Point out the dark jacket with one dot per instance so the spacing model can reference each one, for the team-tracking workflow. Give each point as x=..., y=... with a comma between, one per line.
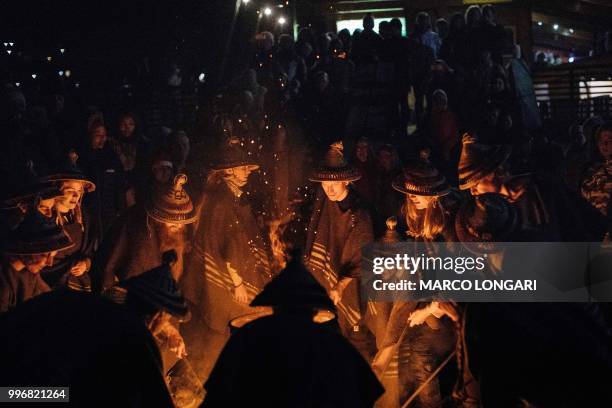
x=130, y=247
x=227, y=233
x=84, y=243
x=550, y=212
x=104, y=168
x=287, y=360
x=84, y=342
x=336, y=233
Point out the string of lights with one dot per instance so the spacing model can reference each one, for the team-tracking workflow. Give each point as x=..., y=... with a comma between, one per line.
x=558, y=28
x=267, y=10
x=55, y=60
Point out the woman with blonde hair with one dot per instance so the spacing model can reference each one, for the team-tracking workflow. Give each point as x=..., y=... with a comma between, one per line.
x=429, y=205
x=427, y=335
x=72, y=265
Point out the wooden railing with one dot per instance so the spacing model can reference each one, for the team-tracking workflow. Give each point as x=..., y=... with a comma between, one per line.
x=569, y=92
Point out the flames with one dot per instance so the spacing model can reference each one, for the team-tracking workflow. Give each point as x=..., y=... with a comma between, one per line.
x=279, y=248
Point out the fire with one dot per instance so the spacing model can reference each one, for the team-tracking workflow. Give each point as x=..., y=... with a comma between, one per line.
x=279, y=248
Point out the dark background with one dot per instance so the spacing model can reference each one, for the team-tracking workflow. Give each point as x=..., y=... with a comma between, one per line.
x=113, y=43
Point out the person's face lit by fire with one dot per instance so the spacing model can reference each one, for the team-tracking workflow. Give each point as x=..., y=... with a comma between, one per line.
x=335, y=190
x=45, y=207
x=604, y=144
x=239, y=176
x=420, y=202
x=488, y=184
x=36, y=263
x=98, y=137
x=127, y=125
x=72, y=194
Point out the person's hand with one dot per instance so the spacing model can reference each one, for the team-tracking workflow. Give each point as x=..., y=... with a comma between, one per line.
x=435, y=309
x=240, y=294
x=381, y=361
x=78, y=268
x=162, y=328
x=418, y=317
x=176, y=344
x=446, y=309
x=336, y=294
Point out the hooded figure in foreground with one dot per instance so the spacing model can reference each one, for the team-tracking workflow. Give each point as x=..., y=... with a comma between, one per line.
x=294, y=357
x=32, y=247
x=154, y=296
x=106, y=356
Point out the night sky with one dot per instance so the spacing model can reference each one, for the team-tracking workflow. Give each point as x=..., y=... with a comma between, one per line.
x=107, y=40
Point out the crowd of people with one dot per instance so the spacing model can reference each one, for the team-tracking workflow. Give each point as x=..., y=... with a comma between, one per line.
x=322, y=144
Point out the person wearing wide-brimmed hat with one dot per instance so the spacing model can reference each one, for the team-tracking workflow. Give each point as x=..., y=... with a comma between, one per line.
x=136, y=241
x=429, y=209
x=230, y=261
x=484, y=223
x=339, y=226
x=480, y=166
x=71, y=267
x=35, y=193
x=308, y=364
x=547, y=208
x=31, y=247
x=430, y=202
x=155, y=298
x=484, y=226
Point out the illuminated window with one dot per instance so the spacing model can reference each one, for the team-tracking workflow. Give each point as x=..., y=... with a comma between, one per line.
x=352, y=25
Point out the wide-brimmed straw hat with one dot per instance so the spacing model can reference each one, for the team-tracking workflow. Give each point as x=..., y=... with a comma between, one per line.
x=479, y=160
x=173, y=205
x=37, y=235
x=70, y=171
x=29, y=194
x=157, y=289
x=421, y=178
x=32, y=189
x=234, y=154
x=335, y=167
